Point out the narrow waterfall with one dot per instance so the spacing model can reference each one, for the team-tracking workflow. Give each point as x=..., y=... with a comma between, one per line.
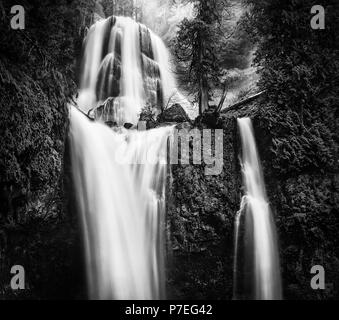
x=119, y=174
x=256, y=265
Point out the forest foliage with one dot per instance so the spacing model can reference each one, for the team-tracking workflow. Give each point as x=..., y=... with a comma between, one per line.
x=298, y=68
x=197, y=45
x=37, y=77
x=297, y=133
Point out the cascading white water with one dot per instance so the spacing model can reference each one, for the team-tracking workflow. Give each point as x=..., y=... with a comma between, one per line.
x=128, y=48
x=256, y=266
x=169, y=85
x=90, y=66
x=120, y=183
x=120, y=175
x=161, y=56
x=131, y=73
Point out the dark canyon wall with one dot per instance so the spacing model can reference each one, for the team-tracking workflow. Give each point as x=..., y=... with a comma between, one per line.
x=201, y=217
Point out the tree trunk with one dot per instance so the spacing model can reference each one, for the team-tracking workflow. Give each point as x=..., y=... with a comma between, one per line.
x=222, y=100
x=203, y=89
x=203, y=96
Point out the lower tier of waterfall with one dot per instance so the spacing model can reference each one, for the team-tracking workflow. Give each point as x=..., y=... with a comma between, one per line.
x=120, y=180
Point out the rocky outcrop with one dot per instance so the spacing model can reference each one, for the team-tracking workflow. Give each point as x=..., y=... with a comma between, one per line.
x=175, y=113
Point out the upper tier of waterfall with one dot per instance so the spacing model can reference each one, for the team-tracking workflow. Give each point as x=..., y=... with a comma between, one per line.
x=124, y=68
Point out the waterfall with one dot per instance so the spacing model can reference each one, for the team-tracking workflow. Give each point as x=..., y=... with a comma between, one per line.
x=256, y=262
x=90, y=65
x=120, y=175
x=120, y=179
x=125, y=62
x=162, y=57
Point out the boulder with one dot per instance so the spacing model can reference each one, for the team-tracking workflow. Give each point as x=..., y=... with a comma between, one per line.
x=128, y=125
x=109, y=112
x=175, y=113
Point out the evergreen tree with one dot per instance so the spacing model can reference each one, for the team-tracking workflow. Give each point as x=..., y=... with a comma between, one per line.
x=196, y=49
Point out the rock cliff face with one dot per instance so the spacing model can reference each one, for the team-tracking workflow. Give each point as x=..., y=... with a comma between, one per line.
x=201, y=214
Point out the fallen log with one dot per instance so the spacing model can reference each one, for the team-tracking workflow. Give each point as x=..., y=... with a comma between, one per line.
x=243, y=102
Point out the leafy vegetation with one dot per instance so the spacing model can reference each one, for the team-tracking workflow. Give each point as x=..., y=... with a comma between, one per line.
x=297, y=133
x=298, y=67
x=37, y=77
